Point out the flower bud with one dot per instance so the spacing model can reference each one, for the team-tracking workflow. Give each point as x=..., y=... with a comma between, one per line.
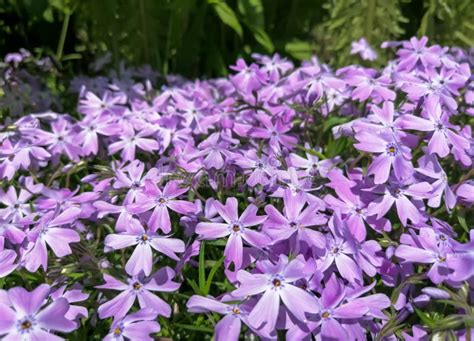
x=436, y=293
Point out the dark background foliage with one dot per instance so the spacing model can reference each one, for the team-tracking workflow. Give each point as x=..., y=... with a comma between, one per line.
x=202, y=37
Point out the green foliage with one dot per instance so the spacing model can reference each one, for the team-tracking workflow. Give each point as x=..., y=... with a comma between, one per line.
x=202, y=37
x=450, y=21
x=349, y=20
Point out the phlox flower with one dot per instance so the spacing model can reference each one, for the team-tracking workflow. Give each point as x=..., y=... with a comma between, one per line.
x=276, y=285
x=50, y=231
x=340, y=312
x=398, y=193
x=236, y=228
x=443, y=133
x=135, y=326
x=363, y=48
x=425, y=249
x=391, y=154
x=145, y=241
x=229, y=327
x=415, y=51
x=130, y=140
x=138, y=287
x=25, y=316
x=17, y=205
x=294, y=225
x=160, y=201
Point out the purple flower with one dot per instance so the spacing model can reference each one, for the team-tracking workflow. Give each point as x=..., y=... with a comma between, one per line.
x=91, y=130
x=17, y=205
x=294, y=224
x=214, y=148
x=398, y=194
x=160, y=200
x=130, y=140
x=367, y=86
x=275, y=131
x=142, y=257
x=465, y=192
x=340, y=251
x=312, y=165
x=461, y=261
x=133, y=178
x=138, y=287
x=363, y=48
x=229, y=327
x=7, y=259
x=415, y=51
x=419, y=334
x=48, y=231
x=351, y=202
x=261, y=169
x=124, y=218
x=430, y=167
x=339, y=310
x=26, y=317
x=72, y=295
x=237, y=228
x=96, y=107
x=136, y=326
x=392, y=154
x=276, y=284
x=248, y=78
x=60, y=140
x=443, y=135
x=425, y=249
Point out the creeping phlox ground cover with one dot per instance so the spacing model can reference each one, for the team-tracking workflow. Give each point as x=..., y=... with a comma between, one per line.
x=281, y=201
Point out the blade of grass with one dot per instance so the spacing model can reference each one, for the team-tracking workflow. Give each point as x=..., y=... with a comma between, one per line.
x=212, y=273
x=202, y=268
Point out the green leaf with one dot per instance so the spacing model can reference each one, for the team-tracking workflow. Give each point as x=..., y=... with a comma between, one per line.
x=462, y=222
x=263, y=39
x=227, y=15
x=427, y=321
x=311, y=152
x=334, y=121
x=453, y=321
x=465, y=39
x=252, y=11
x=202, y=268
x=48, y=15
x=195, y=328
x=211, y=275
x=194, y=285
x=299, y=49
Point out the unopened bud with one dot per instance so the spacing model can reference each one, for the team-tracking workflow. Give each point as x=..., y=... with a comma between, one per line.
x=436, y=293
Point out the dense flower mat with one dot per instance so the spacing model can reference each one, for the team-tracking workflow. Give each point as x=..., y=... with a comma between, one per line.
x=282, y=201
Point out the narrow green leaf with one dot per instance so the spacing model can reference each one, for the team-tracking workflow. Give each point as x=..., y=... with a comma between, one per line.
x=299, y=49
x=263, y=39
x=334, y=121
x=311, y=152
x=252, y=11
x=195, y=328
x=210, y=277
x=202, y=268
x=194, y=285
x=427, y=321
x=227, y=15
x=462, y=222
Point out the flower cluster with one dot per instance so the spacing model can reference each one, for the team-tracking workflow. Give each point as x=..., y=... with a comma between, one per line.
x=289, y=200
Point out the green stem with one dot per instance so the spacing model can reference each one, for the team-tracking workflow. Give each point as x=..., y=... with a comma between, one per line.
x=62, y=37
